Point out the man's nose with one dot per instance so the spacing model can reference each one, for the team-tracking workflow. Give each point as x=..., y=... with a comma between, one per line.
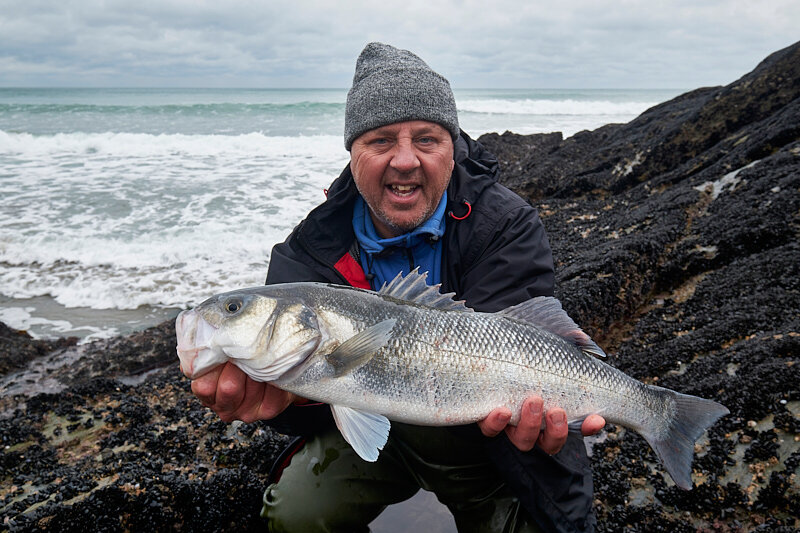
x=405, y=158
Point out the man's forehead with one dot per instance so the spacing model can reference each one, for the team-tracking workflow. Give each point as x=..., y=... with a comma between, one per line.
x=416, y=126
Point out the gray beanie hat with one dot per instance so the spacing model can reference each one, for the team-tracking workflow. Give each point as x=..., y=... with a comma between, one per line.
x=392, y=85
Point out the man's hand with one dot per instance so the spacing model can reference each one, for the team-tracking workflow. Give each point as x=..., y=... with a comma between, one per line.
x=528, y=431
x=233, y=395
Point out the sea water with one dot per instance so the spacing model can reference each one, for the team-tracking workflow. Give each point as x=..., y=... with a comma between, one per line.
x=119, y=207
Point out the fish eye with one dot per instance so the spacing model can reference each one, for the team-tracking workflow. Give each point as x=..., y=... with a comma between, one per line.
x=233, y=305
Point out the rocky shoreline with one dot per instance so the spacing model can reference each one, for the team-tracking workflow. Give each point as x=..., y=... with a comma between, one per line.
x=676, y=241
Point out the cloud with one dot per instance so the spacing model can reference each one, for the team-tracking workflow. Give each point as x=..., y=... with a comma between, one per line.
x=625, y=43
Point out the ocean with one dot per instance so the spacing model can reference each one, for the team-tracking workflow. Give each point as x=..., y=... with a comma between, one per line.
x=119, y=207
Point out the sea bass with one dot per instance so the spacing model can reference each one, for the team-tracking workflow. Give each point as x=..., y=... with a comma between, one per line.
x=410, y=354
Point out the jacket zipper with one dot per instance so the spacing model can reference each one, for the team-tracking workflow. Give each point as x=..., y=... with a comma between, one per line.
x=411, y=265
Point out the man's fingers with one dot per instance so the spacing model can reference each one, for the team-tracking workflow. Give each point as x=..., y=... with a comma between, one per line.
x=205, y=387
x=526, y=432
x=275, y=402
x=268, y=401
x=262, y=402
x=230, y=391
x=252, y=401
x=233, y=395
x=497, y=420
x=554, y=435
x=592, y=424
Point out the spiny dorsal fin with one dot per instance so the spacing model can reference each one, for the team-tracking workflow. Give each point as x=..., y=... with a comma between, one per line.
x=546, y=312
x=412, y=288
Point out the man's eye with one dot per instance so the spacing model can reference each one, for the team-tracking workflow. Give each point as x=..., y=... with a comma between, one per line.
x=426, y=140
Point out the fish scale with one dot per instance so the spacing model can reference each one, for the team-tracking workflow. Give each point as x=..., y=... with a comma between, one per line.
x=410, y=354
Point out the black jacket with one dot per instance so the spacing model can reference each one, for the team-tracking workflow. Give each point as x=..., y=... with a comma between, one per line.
x=495, y=255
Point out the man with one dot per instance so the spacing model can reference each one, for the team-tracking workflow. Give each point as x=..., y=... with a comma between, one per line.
x=417, y=193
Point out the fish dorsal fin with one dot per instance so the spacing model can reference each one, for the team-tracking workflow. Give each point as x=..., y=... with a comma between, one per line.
x=366, y=432
x=412, y=288
x=546, y=312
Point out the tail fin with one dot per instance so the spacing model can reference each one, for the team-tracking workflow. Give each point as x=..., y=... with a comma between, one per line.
x=675, y=446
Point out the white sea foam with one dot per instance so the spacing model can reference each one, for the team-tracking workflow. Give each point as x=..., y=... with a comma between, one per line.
x=542, y=115
x=146, y=145
x=26, y=319
x=118, y=221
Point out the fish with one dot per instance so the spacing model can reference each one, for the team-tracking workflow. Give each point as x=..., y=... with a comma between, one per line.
x=411, y=354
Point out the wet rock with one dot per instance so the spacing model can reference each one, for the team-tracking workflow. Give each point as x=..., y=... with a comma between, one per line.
x=18, y=348
x=140, y=457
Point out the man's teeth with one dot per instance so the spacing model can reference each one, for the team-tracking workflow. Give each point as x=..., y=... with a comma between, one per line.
x=403, y=189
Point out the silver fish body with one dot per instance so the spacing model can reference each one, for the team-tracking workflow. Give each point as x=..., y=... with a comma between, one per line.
x=410, y=354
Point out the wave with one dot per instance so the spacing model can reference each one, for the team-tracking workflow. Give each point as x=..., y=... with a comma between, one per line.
x=533, y=106
x=204, y=246
x=166, y=273
x=146, y=144
x=197, y=109
x=281, y=118
x=530, y=106
x=125, y=220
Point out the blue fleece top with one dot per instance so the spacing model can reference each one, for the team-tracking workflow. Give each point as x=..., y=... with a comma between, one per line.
x=384, y=258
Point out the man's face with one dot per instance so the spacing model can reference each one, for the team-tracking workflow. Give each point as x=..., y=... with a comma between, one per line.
x=402, y=170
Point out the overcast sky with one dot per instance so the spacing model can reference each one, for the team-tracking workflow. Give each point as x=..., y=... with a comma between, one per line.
x=305, y=43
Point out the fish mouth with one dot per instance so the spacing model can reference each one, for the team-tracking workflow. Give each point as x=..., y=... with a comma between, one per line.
x=196, y=350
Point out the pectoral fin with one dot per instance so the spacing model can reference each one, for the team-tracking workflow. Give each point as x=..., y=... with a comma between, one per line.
x=367, y=433
x=356, y=351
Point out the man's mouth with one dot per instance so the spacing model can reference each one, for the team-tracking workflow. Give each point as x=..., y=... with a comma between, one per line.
x=403, y=190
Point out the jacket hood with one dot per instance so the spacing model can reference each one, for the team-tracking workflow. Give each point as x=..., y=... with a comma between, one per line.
x=477, y=168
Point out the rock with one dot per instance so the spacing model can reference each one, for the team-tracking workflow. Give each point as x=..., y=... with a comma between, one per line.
x=18, y=348
x=106, y=448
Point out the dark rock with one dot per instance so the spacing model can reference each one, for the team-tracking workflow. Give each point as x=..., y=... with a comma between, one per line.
x=17, y=348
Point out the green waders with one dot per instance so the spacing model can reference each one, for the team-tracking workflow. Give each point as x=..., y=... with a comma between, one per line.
x=327, y=487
